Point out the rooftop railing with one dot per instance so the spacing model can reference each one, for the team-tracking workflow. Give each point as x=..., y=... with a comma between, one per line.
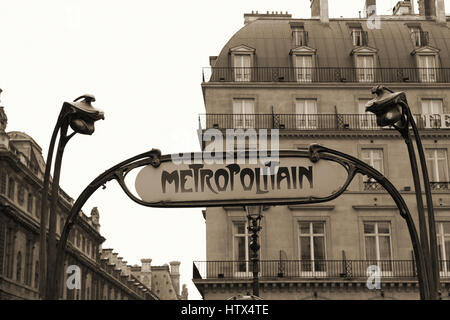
x=326, y=74
x=310, y=269
x=319, y=122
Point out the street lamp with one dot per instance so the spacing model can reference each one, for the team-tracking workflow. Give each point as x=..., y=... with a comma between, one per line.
x=392, y=109
x=80, y=115
x=254, y=217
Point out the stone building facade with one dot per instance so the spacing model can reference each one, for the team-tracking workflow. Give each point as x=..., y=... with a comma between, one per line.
x=310, y=79
x=104, y=275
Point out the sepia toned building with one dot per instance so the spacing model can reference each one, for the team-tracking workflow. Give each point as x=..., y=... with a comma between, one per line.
x=311, y=79
x=104, y=275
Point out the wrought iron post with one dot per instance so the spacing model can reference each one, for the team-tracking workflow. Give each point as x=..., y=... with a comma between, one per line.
x=80, y=116
x=254, y=219
x=392, y=109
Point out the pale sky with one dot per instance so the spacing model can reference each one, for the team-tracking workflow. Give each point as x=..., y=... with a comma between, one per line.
x=142, y=60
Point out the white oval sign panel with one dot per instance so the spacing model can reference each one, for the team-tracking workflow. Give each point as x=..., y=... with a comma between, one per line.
x=201, y=184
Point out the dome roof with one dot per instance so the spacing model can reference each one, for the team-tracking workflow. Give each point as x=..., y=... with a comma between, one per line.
x=271, y=39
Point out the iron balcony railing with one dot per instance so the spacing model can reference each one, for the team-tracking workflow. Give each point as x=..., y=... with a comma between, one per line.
x=326, y=74
x=310, y=269
x=320, y=122
x=440, y=185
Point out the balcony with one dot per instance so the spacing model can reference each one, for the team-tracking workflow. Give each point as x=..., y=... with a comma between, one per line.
x=305, y=269
x=326, y=75
x=440, y=186
x=308, y=122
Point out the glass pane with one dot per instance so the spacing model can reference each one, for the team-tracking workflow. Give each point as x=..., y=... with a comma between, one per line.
x=385, y=248
x=370, y=248
x=319, y=248
x=447, y=248
x=240, y=227
x=318, y=227
x=383, y=227
x=304, y=228
x=442, y=170
x=305, y=248
x=446, y=227
x=305, y=254
x=369, y=227
x=240, y=248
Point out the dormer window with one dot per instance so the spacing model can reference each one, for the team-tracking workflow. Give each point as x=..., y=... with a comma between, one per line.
x=299, y=37
x=242, y=60
x=359, y=37
x=365, y=63
x=303, y=60
x=427, y=63
x=419, y=37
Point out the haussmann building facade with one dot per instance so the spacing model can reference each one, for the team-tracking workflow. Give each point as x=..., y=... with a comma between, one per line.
x=311, y=79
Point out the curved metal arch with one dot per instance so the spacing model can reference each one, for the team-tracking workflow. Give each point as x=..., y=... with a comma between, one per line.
x=315, y=153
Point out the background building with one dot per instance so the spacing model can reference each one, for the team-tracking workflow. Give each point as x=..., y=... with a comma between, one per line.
x=104, y=275
x=311, y=79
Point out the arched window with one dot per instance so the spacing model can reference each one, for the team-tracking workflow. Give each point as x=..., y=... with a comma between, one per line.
x=11, y=188
x=19, y=266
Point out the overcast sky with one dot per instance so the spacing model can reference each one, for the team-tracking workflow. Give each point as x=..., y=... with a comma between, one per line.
x=143, y=61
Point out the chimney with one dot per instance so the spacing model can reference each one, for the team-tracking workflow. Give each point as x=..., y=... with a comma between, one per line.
x=175, y=275
x=146, y=272
x=440, y=12
x=427, y=8
x=402, y=8
x=370, y=8
x=319, y=9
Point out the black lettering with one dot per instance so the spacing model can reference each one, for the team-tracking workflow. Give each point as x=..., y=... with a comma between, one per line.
x=258, y=182
x=308, y=173
x=221, y=173
x=282, y=174
x=170, y=178
x=294, y=175
x=234, y=169
x=251, y=174
x=205, y=176
x=183, y=175
x=196, y=168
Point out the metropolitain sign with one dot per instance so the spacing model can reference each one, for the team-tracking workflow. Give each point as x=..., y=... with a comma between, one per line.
x=292, y=178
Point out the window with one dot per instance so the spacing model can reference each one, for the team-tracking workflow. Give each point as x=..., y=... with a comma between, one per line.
x=3, y=182
x=427, y=68
x=418, y=37
x=367, y=120
x=359, y=37
x=37, y=208
x=30, y=203
x=365, y=68
x=19, y=266
x=437, y=164
x=306, y=113
x=374, y=158
x=9, y=255
x=304, y=67
x=36, y=274
x=241, y=242
x=299, y=37
x=242, y=67
x=377, y=241
x=28, y=262
x=243, y=113
x=432, y=113
x=11, y=188
x=443, y=242
x=312, y=248
x=21, y=195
